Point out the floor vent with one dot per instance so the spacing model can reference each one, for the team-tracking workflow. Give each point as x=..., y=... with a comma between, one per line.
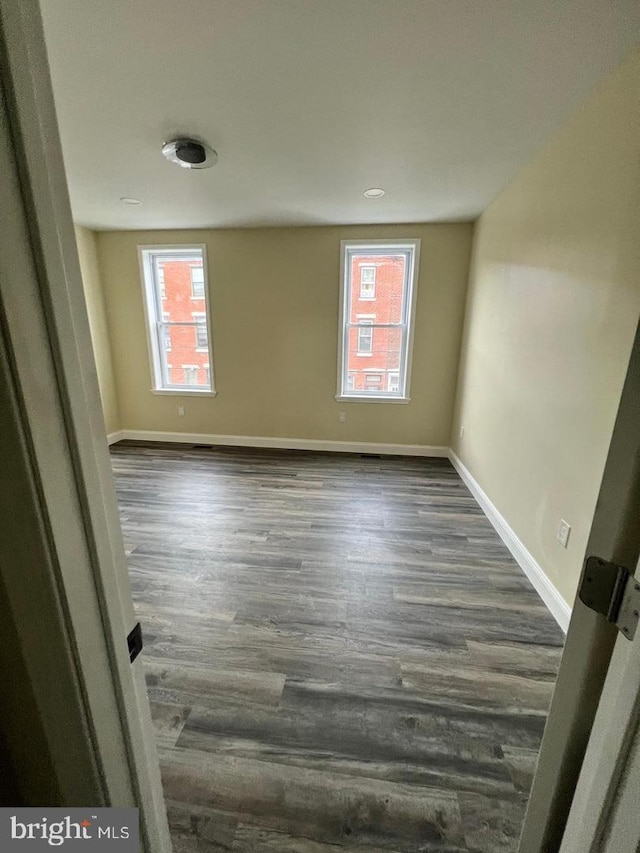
x=202, y=446
x=370, y=456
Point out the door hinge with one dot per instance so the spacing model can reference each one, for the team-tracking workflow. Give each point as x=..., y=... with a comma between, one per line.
x=611, y=590
x=134, y=641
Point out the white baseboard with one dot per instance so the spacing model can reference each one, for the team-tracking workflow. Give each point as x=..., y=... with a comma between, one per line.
x=112, y=437
x=286, y=443
x=555, y=603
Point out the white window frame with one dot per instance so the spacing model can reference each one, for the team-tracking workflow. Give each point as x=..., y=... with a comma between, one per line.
x=349, y=248
x=153, y=313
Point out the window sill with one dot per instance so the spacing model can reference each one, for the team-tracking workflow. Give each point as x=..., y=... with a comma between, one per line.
x=183, y=392
x=362, y=398
x=364, y=354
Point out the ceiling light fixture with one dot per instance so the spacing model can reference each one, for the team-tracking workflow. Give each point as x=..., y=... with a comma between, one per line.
x=126, y=200
x=374, y=192
x=190, y=153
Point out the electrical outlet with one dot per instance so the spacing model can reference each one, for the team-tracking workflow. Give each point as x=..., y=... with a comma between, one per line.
x=181, y=411
x=462, y=431
x=342, y=417
x=563, y=533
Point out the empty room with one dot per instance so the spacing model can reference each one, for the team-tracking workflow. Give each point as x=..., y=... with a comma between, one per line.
x=345, y=369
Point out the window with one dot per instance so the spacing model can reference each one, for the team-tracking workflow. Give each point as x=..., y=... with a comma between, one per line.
x=365, y=337
x=171, y=326
x=190, y=374
x=163, y=292
x=367, y=282
x=374, y=357
x=166, y=329
x=202, y=341
x=197, y=283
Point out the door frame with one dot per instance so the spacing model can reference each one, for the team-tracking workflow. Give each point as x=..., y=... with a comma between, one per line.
x=614, y=536
x=604, y=817
x=64, y=568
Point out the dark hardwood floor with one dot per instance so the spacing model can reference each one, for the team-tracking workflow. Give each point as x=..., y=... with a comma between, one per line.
x=340, y=652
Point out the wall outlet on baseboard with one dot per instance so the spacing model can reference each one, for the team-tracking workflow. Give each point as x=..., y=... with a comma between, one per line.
x=181, y=411
x=563, y=533
x=342, y=417
x=462, y=431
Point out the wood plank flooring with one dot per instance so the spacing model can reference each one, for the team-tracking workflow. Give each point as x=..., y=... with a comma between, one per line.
x=340, y=652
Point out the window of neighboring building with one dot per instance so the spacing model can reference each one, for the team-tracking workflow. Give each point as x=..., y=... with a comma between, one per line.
x=386, y=273
x=197, y=282
x=166, y=329
x=170, y=324
x=365, y=337
x=202, y=340
x=190, y=374
x=367, y=282
x=163, y=292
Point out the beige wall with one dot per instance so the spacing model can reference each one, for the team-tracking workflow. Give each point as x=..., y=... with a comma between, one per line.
x=87, y=253
x=274, y=300
x=552, y=307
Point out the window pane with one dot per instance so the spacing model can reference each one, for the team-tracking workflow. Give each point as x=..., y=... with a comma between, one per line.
x=378, y=288
x=177, y=287
x=180, y=349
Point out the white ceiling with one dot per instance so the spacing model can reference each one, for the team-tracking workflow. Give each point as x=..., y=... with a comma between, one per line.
x=310, y=102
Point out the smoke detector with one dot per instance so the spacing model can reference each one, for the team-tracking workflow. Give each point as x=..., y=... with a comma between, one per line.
x=190, y=153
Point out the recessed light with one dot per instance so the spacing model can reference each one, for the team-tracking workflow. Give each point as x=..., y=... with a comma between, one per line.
x=374, y=192
x=126, y=200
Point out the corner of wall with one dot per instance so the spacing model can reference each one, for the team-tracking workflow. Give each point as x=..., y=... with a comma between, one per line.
x=87, y=243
